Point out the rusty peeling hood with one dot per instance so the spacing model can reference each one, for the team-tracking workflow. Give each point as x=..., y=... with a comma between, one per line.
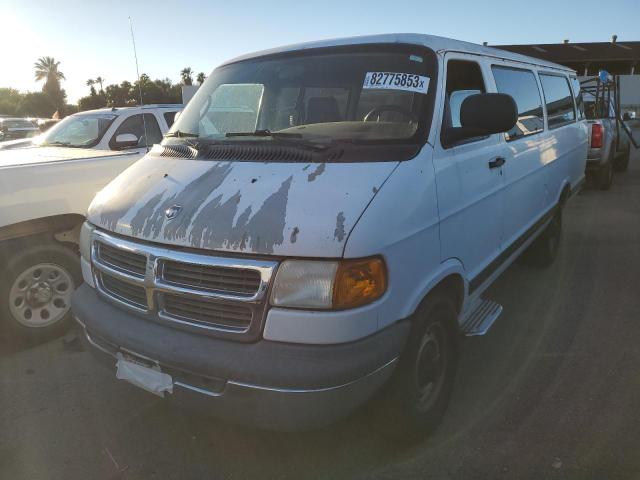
x=265, y=208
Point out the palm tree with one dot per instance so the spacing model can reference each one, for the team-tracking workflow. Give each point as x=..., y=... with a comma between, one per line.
x=47, y=70
x=99, y=80
x=187, y=76
x=90, y=83
x=201, y=78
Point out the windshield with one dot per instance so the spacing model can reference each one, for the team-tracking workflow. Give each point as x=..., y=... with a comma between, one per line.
x=80, y=131
x=381, y=94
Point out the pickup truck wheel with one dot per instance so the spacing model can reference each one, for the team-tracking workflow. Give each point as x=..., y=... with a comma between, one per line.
x=36, y=289
x=622, y=162
x=413, y=403
x=605, y=176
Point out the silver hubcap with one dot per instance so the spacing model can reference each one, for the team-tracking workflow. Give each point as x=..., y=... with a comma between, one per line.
x=41, y=295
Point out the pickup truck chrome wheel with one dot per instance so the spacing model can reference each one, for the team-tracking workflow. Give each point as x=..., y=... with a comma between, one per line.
x=39, y=276
x=41, y=295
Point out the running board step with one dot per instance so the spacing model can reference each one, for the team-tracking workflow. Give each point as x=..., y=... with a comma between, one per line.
x=479, y=318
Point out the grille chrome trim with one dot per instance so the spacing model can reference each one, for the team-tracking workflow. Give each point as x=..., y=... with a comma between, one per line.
x=155, y=287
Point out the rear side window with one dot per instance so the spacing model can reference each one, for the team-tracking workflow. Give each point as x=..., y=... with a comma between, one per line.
x=137, y=127
x=169, y=117
x=522, y=86
x=577, y=94
x=559, y=100
x=19, y=124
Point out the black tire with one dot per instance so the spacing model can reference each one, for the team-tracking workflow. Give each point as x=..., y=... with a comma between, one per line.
x=605, y=176
x=544, y=250
x=411, y=406
x=63, y=275
x=622, y=162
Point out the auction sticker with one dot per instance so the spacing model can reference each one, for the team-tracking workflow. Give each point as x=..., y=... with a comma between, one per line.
x=396, y=81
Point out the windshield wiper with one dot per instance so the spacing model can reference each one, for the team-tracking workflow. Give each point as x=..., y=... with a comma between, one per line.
x=56, y=144
x=264, y=133
x=287, y=138
x=180, y=134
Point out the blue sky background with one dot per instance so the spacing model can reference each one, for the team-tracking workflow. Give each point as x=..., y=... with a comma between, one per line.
x=92, y=38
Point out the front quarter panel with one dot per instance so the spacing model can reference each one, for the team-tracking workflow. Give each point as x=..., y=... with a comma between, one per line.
x=402, y=225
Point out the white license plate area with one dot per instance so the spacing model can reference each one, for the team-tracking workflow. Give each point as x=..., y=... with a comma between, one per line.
x=144, y=374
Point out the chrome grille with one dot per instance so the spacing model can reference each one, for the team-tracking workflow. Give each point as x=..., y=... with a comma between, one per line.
x=220, y=279
x=122, y=260
x=123, y=291
x=219, y=296
x=216, y=314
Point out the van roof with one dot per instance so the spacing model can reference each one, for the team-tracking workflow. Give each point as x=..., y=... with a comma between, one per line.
x=431, y=41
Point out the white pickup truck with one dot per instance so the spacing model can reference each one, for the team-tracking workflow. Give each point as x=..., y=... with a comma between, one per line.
x=45, y=190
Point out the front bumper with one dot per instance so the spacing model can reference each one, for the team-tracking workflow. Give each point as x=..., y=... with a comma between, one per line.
x=268, y=384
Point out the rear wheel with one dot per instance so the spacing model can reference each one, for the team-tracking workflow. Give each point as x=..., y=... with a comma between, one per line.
x=36, y=290
x=622, y=162
x=605, y=176
x=415, y=400
x=544, y=250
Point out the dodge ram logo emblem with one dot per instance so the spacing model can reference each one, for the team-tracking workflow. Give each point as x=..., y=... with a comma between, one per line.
x=172, y=211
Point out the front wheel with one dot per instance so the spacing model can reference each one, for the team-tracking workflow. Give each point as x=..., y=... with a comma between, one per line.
x=36, y=290
x=415, y=400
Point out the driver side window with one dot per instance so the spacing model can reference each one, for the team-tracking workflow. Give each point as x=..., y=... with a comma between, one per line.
x=464, y=78
x=135, y=126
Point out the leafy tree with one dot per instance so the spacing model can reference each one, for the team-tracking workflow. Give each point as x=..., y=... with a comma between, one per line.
x=91, y=102
x=186, y=74
x=37, y=104
x=10, y=99
x=120, y=95
x=201, y=78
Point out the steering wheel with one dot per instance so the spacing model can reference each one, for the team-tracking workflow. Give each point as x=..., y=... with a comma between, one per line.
x=375, y=113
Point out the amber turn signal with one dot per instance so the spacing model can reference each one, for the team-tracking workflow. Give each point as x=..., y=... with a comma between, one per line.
x=359, y=282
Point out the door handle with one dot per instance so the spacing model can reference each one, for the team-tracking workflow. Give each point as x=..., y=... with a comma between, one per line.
x=497, y=162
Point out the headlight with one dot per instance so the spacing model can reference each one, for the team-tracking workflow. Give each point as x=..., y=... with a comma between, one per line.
x=85, y=240
x=329, y=284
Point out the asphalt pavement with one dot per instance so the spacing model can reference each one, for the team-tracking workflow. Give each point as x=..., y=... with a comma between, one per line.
x=552, y=391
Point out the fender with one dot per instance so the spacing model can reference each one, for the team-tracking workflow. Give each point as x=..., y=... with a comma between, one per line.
x=566, y=185
x=451, y=266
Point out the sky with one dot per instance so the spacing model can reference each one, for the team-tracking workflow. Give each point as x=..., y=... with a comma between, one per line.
x=92, y=38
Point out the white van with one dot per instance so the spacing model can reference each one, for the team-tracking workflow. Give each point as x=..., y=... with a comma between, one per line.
x=321, y=222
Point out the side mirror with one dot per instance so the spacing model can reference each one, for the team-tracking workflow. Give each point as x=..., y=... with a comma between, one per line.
x=126, y=140
x=483, y=114
x=626, y=117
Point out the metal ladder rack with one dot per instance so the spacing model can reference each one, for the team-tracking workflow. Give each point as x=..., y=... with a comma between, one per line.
x=607, y=92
